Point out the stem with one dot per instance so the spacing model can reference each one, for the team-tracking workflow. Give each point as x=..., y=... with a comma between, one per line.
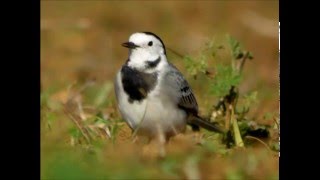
x=236, y=131
x=228, y=119
x=241, y=63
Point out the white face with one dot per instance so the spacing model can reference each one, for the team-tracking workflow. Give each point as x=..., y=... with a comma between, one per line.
x=149, y=50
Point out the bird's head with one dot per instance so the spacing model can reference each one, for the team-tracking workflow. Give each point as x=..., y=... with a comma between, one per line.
x=146, y=51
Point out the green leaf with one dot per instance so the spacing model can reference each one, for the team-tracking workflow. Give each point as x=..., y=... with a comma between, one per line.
x=235, y=47
x=250, y=99
x=225, y=78
x=195, y=66
x=98, y=119
x=74, y=132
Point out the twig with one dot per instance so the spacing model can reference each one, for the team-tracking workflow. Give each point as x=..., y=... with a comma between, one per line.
x=77, y=121
x=175, y=52
x=72, y=96
x=259, y=140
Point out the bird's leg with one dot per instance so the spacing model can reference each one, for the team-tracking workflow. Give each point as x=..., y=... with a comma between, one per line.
x=134, y=139
x=161, y=141
x=197, y=137
x=156, y=146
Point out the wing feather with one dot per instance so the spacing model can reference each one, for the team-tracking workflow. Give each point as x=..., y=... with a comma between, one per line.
x=181, y=88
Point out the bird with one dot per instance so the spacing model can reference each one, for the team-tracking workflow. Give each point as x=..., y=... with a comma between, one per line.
x=153, y=96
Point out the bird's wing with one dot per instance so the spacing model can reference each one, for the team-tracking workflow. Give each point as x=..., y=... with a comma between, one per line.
x=181, y=90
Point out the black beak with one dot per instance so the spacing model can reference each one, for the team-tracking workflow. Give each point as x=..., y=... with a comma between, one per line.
x=129, y=45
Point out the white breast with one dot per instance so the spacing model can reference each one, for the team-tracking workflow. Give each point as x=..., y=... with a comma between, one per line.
x=156, y=114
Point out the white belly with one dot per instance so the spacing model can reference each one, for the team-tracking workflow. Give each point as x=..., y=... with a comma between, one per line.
x=153, y=115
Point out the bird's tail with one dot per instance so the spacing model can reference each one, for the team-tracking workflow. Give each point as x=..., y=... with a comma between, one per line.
x=196, y=120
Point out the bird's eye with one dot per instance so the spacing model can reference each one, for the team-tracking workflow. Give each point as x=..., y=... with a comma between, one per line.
x=150, y=43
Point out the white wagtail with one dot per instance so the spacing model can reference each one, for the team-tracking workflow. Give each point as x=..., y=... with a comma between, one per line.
x=153, y=96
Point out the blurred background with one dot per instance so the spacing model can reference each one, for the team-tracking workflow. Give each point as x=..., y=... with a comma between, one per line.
x=81, y=40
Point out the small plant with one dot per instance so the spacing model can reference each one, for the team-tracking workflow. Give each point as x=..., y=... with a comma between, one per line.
x=224, y=85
